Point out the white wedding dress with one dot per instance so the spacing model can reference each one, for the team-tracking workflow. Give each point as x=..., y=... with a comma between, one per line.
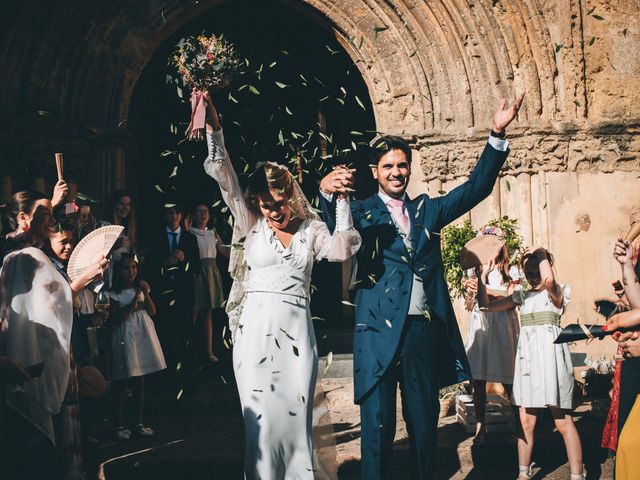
x=274, y=353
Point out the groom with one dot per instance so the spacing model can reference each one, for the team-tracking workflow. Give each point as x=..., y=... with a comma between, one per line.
x=406, y=331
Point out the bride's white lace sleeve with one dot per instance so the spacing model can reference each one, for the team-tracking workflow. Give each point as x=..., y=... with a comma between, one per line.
x=344, y=242
x=218, y=166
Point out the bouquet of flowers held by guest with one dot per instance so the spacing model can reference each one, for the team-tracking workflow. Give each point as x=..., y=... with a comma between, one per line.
x=207, y=63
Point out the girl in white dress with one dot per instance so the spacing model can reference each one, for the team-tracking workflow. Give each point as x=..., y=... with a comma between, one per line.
x=277, y=238
x=492, y=337
x=135, y=348
x=207, y=283
x=543, y=370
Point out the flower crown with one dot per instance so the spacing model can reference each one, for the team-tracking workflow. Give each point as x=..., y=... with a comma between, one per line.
x=497, y=231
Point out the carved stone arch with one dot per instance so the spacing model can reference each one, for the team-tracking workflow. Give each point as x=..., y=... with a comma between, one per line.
x=434, y=70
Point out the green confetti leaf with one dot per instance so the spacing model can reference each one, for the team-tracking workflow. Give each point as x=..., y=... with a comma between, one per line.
x=559, y=46
x=287, y=334
x=159, y=188
x=349, y=304
x=592, y=41
x=86, y=198
x=254, y=90
x=598, y=17
x=508, y=185
x=329, y=362
x=360, y=103
x=281, y=85
x=331, y=51
x=413, y=53
x=295, y=351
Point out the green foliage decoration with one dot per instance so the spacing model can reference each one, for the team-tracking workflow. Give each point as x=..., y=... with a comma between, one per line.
x=454, y=238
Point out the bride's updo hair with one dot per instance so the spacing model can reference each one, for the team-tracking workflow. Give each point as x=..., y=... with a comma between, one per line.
x=270, y=176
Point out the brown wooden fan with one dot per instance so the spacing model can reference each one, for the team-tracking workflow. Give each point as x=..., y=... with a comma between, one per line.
x=480, y=250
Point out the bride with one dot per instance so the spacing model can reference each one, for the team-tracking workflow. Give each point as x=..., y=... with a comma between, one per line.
x=277, y=238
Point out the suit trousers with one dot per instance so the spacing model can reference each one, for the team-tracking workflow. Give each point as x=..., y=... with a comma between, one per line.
x=415, y=368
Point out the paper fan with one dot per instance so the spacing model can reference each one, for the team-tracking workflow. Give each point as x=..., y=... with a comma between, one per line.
x=480, y=250
x=95, y=245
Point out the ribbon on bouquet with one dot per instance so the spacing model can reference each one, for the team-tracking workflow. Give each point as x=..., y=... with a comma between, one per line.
x=198, y=115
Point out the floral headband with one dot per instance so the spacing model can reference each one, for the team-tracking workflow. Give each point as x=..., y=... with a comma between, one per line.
x=497, y=231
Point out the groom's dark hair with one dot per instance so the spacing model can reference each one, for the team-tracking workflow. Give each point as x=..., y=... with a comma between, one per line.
x=384, y=145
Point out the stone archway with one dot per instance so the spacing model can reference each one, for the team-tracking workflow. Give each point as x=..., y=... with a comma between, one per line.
x=431, y=68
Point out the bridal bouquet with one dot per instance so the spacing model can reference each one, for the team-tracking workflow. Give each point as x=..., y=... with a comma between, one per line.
x=206, y=62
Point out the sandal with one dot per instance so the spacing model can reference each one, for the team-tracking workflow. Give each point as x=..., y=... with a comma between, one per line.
x=144, y=431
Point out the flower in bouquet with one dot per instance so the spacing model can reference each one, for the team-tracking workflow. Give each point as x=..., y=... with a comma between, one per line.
x=206, y=63
x=491, y=230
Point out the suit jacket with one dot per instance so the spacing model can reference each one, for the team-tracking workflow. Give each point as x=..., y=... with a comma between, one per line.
x=173, y=281
x=386, y=268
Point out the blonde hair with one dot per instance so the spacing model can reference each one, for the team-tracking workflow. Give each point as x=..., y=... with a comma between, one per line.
x=271, y=176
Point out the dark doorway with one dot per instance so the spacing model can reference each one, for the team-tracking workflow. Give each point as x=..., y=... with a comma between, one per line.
x=299, y=96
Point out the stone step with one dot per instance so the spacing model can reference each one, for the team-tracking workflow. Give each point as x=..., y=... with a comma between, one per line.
x=341, y=366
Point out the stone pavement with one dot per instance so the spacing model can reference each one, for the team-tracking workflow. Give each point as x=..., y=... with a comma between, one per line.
x=200, y=436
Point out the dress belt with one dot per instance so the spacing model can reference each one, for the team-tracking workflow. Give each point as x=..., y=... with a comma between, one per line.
x=539, y=318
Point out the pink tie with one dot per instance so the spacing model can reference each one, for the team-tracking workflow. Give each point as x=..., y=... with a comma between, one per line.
x=395, y=206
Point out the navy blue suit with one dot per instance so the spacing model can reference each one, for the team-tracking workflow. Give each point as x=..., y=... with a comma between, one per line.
x=422, y=353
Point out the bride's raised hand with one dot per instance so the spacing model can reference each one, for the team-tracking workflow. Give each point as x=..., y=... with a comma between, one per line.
x=213, y=120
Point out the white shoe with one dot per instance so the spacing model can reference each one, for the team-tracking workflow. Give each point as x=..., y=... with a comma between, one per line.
x=123, y=433
x=144, y=431
x=525, y=472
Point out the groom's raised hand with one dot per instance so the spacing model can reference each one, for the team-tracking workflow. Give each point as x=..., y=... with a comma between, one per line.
x=504, y=116
x=339, y=180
